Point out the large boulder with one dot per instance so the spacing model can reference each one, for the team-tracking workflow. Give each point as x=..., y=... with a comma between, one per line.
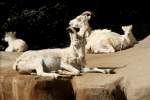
x=26, y=87
x=129, y=82
x=14, y=86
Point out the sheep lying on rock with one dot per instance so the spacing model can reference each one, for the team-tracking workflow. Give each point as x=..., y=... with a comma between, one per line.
x=14, y=44
x=104, y=40
x=48, y=62
x=53, y=62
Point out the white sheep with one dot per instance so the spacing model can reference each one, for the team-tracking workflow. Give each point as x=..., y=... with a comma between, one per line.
x=104, y=40
x=48, y=61
x=52, y=62
x=14, y=44
x=128, y=39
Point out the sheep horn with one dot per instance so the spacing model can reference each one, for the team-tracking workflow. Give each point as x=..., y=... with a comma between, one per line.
x=72, y=29
x=87, y=13
x=68, y=28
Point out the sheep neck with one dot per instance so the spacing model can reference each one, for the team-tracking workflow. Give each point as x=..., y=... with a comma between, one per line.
x=127, y=40
x=85, y=30
x=77, y=52
x=130, y=38
x=11, y=39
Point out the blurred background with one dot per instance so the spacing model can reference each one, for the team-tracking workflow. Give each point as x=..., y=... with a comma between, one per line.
x=42, y=23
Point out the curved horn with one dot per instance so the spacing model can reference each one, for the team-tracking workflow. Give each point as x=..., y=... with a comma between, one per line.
x=87, y=13
x=72, y=29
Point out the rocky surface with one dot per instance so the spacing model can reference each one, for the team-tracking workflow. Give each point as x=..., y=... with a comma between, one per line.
x=129, y=82
x=28, y=87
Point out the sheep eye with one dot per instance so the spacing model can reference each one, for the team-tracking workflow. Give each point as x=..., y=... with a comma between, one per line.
x=88, y=14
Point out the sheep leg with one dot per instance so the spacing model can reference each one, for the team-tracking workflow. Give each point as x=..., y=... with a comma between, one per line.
x=9, y=49
x=70, y=68
x=64, y=72
x=105, y=71
x=106, y=50
x=103, y=51
x=86, y=69
x=40, y=71
x=111, y=48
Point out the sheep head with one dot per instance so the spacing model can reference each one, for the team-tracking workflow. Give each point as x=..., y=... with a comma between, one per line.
x=127, y=29
x=128, y=34
x=9, y=35
x=76, y=39
x=81, y=20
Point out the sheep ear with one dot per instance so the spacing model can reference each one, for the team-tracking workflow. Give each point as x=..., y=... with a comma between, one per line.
x=123, y=28
x=6, y=33
x=71, y=30
x=14, y=33
x=130, y=26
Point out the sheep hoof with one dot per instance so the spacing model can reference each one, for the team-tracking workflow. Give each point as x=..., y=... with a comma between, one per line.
x=109, y=71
